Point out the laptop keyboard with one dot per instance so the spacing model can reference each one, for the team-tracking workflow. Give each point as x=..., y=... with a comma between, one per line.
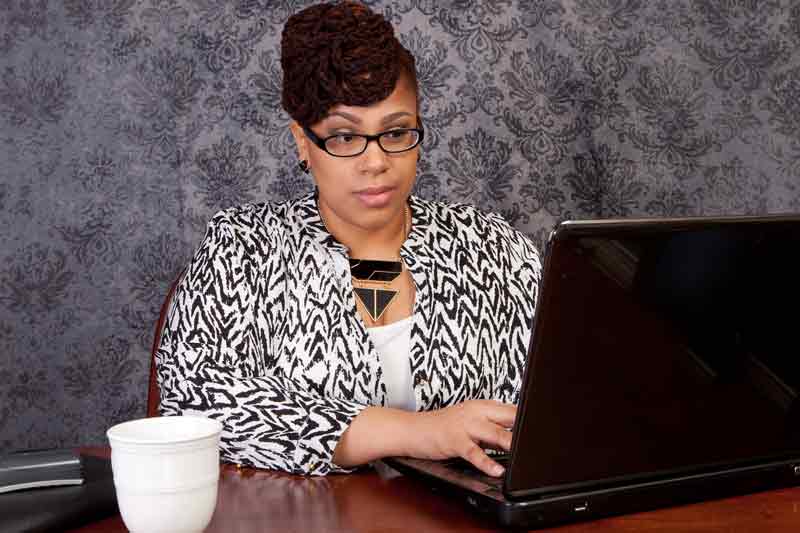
x=465, y=467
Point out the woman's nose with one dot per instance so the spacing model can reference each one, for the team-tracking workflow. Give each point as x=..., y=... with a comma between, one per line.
x=374, y=159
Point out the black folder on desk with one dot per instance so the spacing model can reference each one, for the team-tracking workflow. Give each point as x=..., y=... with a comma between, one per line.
x=61, y=508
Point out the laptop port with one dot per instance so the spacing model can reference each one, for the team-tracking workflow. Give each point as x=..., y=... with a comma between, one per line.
x=796, y=470
x=582, y=507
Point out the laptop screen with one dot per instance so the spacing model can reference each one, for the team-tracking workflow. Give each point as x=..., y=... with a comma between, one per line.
x=661, y=349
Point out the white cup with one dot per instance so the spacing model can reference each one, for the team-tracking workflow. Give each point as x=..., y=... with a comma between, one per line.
x=166, y=472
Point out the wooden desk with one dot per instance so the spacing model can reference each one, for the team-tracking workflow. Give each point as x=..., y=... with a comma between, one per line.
x=263, y=502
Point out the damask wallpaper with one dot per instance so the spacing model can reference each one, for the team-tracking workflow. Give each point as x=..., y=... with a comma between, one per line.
x=125, y=124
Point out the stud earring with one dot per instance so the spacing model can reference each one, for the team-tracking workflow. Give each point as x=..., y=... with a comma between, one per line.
x=303, y=166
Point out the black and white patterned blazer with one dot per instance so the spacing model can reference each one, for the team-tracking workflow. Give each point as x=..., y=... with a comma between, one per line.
x=263, y=332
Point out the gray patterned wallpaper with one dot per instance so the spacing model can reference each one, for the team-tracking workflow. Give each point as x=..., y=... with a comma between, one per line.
x=125, y=124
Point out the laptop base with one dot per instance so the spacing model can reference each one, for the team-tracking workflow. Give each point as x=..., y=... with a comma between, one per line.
x=554, y=510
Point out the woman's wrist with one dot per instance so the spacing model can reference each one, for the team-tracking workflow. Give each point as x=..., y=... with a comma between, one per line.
x=377, y=432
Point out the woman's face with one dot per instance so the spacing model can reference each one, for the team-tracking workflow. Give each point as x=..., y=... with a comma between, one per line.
x=369, y=190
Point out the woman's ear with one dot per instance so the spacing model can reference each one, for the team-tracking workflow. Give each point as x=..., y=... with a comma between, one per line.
x=300, y=140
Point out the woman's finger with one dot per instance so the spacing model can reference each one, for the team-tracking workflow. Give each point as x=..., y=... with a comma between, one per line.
x=491, y=435
x=502, y=414
x=475, y=455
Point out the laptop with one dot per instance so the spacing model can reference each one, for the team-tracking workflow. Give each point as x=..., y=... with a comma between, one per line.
x=664, y=368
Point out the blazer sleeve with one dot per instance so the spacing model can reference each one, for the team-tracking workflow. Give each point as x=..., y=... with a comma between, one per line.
x=523, y=272
x=214, y=360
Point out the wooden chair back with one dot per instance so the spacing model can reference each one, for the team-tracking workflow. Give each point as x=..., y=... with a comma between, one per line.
x=153, y=398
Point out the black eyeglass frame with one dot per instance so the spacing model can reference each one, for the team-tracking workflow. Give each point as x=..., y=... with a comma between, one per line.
x=320, y=142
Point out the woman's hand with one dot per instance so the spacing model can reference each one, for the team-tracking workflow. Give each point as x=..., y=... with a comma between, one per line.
x=463, y=430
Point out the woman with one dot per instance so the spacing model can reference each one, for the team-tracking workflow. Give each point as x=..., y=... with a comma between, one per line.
x=358, y=322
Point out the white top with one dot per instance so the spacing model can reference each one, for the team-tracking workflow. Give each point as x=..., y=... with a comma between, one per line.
x=393, y=343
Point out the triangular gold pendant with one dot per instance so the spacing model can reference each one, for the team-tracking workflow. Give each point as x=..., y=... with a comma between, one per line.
x=375, y=301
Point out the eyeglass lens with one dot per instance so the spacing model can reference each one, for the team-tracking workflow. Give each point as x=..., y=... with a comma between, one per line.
x=390, y=141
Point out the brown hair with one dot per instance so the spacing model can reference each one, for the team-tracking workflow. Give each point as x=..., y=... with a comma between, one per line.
x=340, y=53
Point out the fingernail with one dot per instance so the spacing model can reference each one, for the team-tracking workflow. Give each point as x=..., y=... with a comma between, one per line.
x=498, y=470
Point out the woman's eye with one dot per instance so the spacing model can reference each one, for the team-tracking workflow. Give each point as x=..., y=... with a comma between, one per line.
x=344, y=139
x=398, y=135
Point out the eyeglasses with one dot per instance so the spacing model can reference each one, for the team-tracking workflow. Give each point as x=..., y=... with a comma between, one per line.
x=353, y=144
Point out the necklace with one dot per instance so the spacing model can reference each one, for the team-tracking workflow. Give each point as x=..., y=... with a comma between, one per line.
x=371, y=278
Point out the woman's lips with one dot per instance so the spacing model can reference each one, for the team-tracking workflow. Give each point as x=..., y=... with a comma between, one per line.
x=375, y=196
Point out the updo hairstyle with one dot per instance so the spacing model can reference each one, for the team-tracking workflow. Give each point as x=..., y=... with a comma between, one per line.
x=342, y=53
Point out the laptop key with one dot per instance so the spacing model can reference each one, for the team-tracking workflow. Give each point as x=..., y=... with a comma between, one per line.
x=458, y=463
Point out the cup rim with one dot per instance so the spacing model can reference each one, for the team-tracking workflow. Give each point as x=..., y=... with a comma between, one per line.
x=204, y=429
